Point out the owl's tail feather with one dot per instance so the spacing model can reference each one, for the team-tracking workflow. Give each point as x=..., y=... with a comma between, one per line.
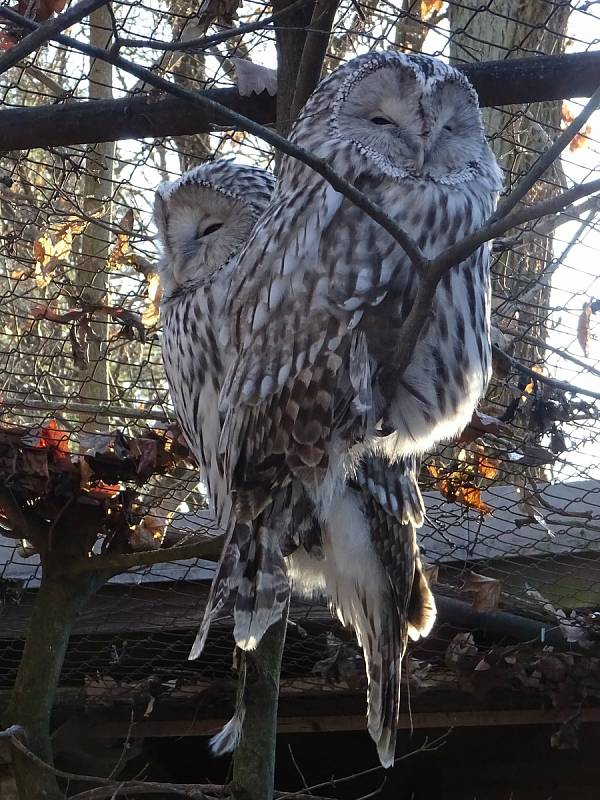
x=383, y=661
x=421, y=606
x=263, y=589
x=227, y=740
x=225, y=579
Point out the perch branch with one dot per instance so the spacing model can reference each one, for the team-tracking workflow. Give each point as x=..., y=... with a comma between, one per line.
x=497, y=83
x=209, y=548
x=46, y=31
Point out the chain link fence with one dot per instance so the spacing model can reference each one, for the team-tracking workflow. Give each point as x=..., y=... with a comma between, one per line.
x=512, y=537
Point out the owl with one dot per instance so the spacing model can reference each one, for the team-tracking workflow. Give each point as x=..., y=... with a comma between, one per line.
x=321, y=290
x=363, y=556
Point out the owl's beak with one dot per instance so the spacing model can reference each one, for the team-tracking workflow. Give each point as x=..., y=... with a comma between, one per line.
x=416, y=152
x=179, y=273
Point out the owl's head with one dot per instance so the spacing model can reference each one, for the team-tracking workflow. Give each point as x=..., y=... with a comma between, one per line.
x=411, y=116
x=204, y=219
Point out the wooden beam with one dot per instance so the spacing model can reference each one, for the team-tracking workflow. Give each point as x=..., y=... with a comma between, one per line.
x=351, y=722
x=498, y=83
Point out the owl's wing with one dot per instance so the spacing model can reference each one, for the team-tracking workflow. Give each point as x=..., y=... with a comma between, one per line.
x=394, y=509
x=303, y=371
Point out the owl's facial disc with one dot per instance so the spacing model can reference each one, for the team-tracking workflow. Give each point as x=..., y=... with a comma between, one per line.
x=414, y=126
x=456, y=140
x=204, y=229
x=383, y=112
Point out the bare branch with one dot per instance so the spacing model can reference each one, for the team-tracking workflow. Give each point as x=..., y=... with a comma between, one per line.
x=313, y=53
x=433, y=270
x=547, y=158
x=559, y=351
x=46, y=31
x=338, y=183
x=115, y=411
x=205, y=42
x=204, y=546
x=197, y=791
x=561, y=386
x=426, y=747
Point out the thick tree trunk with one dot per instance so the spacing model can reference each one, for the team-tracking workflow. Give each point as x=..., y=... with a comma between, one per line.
x=57, y=603
x=515, y=29
x=506, y=29
x=92, y=276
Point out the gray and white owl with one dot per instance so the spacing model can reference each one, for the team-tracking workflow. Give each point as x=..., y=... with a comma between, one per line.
x=321, y=290
x=363, y=555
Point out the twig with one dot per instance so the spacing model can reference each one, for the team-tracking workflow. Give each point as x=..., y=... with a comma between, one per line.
x=547, y=158
x=124, y=412
x=528, y=339
x=192, y=790
x=433, y=270
x=426, y=747
x=209, y=548
x=561, y=386
x=205, y=42
x=46, y=31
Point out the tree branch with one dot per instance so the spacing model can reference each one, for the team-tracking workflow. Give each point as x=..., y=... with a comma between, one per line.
x=561, y=386
x=87, y=122
x=282, y=144
x=539, y=343
x=124, y=412
x=46, y=30
x=426, y=747
x=205, y=42
x=547, y=158
x=313, y=52
x=205, y=546
x=434, y=269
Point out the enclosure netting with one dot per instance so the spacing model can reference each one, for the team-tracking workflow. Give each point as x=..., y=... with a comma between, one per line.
x=513, y=514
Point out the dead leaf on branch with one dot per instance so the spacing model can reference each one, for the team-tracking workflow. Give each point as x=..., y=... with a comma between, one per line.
x=40, y=10
x=457, y=487
x=222, y=11
x=584, y=324
x=151, y=313
x=480, y=425
x=430, y=7
x=580, y=139
x=120, y=254
x=53, y=248
x=253, y=78
x=486, y=591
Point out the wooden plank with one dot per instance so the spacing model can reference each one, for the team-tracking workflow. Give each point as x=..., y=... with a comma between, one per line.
x=352, y=722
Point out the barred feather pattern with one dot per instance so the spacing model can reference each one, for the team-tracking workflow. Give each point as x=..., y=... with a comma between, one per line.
x=317, y=275
x=372, y=575
x=203, y=220
x=373, y=515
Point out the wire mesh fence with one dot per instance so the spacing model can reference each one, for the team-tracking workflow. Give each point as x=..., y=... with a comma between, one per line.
x=513, y=507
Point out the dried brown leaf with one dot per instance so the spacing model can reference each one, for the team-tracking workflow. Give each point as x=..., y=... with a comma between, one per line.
x=481, y=424
x=253, y=78
x=486, y=591
x=151, y=313
x=583, y=327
